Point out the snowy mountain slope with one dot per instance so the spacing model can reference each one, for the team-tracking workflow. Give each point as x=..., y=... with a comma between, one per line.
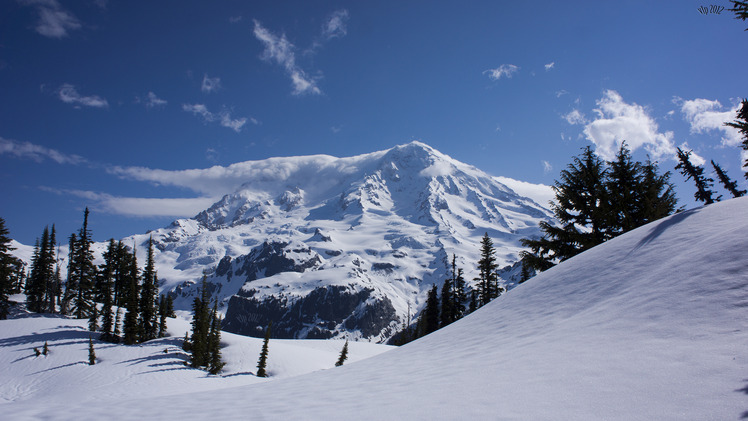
x=154, y=369
x=648, y=326
x=380, y=227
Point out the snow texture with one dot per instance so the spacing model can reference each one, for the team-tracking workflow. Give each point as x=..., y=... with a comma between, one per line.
x=648, y=326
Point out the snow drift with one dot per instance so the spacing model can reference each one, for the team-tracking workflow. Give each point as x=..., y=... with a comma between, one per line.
x=648, y=326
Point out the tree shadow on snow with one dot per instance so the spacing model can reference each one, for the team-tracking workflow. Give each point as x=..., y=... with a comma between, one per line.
x=243, y=373
x=744, y=416
x=61, y=366
x=663, y=226
x=71, y=335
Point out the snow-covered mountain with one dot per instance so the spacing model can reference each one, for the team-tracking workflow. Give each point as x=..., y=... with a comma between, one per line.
x=648, y=326
x=341, y=247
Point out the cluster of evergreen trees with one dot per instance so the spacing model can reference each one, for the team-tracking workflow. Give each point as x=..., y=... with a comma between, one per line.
x=596, y=201
x=205, y=342
x=12, y=271
x=117, y=283
x=451, y=306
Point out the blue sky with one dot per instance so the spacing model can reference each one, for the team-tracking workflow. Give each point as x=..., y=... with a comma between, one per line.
x=103, y=102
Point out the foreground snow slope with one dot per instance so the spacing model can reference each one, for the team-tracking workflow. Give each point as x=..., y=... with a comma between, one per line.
x=649, y=326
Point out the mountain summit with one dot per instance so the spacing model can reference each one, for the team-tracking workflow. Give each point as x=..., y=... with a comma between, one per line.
x=332, y=247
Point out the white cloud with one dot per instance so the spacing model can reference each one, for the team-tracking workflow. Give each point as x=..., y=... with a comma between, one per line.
x=505, y=70
x=695, y=158
x=153, y=101
x=223, y=117
x=140, y=206
x=69, y=95
x=547, y=167
x=706, y=116
x=210, y=84
x=549, y=66
x=27, y=150
x=279, y=50
x=336, y=25
x=618, y=121
x=561, y=93
x=575, y=117
x=235, y=19
x=54, y=20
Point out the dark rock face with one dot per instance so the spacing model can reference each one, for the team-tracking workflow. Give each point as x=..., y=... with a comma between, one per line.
x=321, y=314
x=270, y=259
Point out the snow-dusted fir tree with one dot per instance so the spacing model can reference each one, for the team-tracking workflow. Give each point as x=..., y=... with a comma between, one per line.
x=343, y=355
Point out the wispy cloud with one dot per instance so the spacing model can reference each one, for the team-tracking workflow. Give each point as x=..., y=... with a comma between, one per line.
x=38, y=153
x=235, y=19
x=336, y=25
x=547, y=167
x=210, y=84
x=505, y=70
x=575, y=117
x=223, y=117
x=617, y=121
x=550, y=66
x=708, y=116
x=139, y=206
x=54, y=21
x=69, y=95
x=281, y=51
x=151, y=100
x=561, y=93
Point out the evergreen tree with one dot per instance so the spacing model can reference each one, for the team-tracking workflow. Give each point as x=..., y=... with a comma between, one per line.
x=71, y=284
x=430, y=315
x=201, y=327
x=148, y=293
x=91, y=353
x=162, y=314
x=343, y=355
x=42, y=274
x=262, y=362
x=578, y=208
x=84, y=271
x=45, y=349
x=740, y=8
x=730, y=185
x=131, y=325
x=696, y=172
x=93, y=319
x=447, y=313
x=116, y=335
x=473, y=301
x=596, y=201
x=215, y=365
x=10, y=267
x=524, y=273
x=459, y=295
x=105, y=283
x=488, y=286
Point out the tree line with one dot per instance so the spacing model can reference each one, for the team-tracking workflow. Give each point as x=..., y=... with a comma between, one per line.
x=97, y=293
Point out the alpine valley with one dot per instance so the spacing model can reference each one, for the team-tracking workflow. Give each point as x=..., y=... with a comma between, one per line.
x=328, y=247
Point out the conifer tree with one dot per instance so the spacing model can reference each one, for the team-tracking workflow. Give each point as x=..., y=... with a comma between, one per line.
x=84, y=271
x=740, y=8
x=741, y=122
x=430, y=315
x=459, y=295
x=696, y=172
x=116, y=335
x=106, y=283
x=488, y=286
x=447, y=313
x=343, y=355
x=91, y=353
x=148, y=293
x=45, y=349
x=93, y=319
x=10, y=267
x=730, y=185
x=162, y=315
x=262, y=362
x=131, y=325
x=473, y=301
x=215, y=365
x=71, y=284
x=201, y=327
x=42, y=273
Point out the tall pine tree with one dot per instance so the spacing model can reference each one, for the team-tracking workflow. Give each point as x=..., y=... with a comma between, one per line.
x=730, y=185
x=148, y=293
x=488, y=286
x=9, y=268
x=263, y=361
x=703, y=183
